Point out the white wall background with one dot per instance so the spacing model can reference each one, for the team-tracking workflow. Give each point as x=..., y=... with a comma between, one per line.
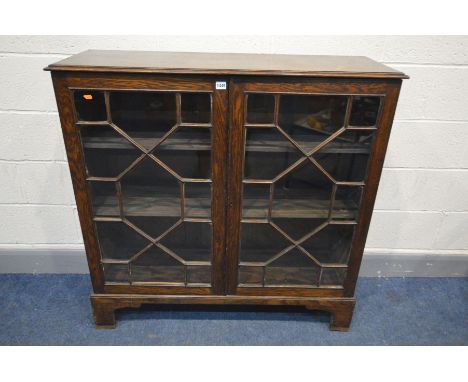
x=422, y=204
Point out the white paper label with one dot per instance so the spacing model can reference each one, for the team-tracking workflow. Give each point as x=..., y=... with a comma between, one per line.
x=221, y=85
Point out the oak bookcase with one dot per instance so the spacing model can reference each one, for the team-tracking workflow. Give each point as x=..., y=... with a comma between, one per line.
x=224, y=178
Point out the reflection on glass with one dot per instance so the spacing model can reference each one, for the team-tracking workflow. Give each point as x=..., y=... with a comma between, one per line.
x=196, y=107
x=90, y=105
x=260, y=108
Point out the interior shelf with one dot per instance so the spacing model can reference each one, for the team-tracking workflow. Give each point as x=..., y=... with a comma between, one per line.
x=297, y=209
x=163, y=206
x=200, y=207
x=172, y=144
x=257, y=145
x=266, y=145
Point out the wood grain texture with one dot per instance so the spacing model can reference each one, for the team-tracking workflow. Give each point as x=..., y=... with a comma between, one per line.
x=234, y=195
x=219, y=159
x=78, y=174
x=192, y=72
x=225, y=64
x=104, y=306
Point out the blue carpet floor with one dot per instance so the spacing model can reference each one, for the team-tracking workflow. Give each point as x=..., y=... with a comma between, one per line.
x=55, y=310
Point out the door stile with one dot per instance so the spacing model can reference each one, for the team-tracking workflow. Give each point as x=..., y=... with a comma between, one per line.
x=234, y=184
x=219, y=163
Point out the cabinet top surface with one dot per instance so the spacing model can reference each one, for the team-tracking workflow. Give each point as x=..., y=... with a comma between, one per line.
x=224, y=64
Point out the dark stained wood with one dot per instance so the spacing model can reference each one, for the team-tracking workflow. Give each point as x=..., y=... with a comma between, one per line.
x=104, y=305
x=156, y=289
x=234, y=194
x=224, y=64
x=219, y=159
x=78, y=175
x=290, y=291
x=195, y=72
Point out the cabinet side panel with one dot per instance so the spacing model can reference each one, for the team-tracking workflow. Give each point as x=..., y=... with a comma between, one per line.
x=370, y=191
x=78, y=174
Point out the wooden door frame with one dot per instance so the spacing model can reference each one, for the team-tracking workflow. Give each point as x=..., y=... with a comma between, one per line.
x=63, y=83
x=386, y=88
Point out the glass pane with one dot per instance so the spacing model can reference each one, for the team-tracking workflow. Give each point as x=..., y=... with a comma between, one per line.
x=260, y=108
x=347, y=202
x=188, y=152
x=200, y=274
x=119, y=241
x=151, y=197
x=157, y=266
x=106, y=152
x=116, y=273
x=191, y=241
x=104, y=198
x=196, y=108
x=144, y=116
x=344, y=167
x=255, y=201
x=268, y=153
x=309, y=120
x=197, y=200
x=331, y=244
x=346, y=157
x=350, y=142
x=293, y=268
x=333, y=276
x=260, y=242
x=301, y=200
x=251, y=275
x=364, y=111
x=90, y=105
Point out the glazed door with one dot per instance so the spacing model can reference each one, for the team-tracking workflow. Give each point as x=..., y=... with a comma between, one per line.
x=153, y=154
x=297, y=175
